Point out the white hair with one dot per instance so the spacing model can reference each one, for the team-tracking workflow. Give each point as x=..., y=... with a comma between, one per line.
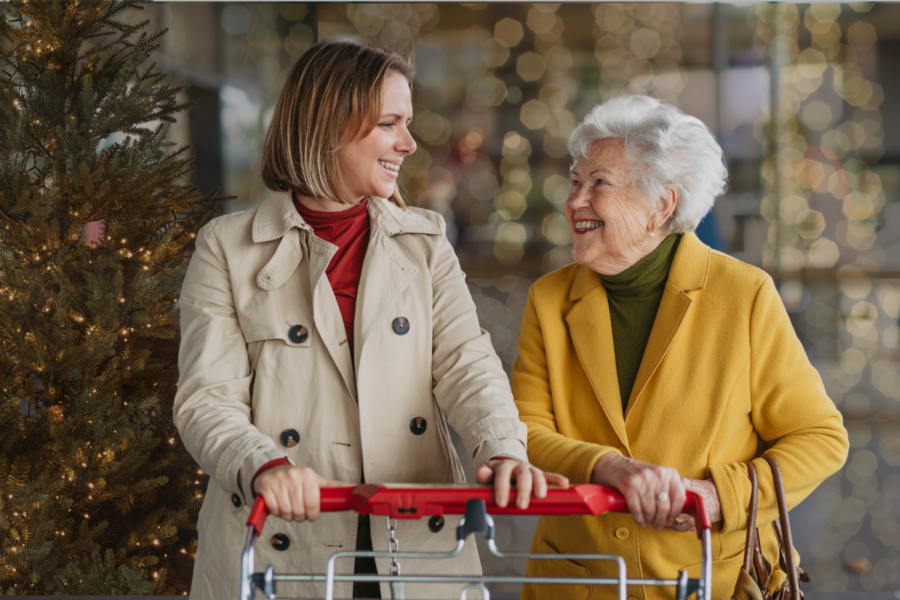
x=666, y=148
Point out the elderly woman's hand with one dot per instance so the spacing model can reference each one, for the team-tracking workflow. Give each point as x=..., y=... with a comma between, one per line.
x=528, y=478
x=654, y=494
x=707, y=490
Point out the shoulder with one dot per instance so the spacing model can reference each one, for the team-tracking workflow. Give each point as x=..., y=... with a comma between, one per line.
x=428, y=216
x=232, y=225
x=554, y=286
x=734, y=278
x=409, y=220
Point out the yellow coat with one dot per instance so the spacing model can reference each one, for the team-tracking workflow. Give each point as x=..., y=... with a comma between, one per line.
x=723, y=379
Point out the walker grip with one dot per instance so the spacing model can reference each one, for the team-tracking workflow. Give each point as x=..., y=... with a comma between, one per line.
x=330, y=500
x=414, y=502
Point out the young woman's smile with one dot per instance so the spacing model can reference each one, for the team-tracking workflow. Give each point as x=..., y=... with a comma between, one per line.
x=372, y=163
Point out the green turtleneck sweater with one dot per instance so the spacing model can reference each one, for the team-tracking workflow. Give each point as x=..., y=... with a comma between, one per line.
x=634, y=296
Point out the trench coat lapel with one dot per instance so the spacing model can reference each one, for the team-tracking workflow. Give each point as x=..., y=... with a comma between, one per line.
x=386, y=272
x=687, y=274
x=326, y=311
x=591, y=330
x=277, y=217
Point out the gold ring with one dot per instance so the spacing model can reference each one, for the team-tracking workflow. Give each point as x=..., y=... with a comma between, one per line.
x=678, y=522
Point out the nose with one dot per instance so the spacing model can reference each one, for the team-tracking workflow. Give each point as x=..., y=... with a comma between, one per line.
x=406, y=143
x=578, y=198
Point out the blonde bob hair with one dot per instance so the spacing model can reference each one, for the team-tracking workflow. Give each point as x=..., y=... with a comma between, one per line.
x=333, y=94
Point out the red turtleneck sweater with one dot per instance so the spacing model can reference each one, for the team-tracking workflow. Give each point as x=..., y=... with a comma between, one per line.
x=349, y=231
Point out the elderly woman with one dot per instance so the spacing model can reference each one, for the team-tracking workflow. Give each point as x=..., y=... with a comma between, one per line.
x=655, y=365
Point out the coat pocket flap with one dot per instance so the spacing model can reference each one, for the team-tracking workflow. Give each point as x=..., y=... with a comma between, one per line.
x=562, y=568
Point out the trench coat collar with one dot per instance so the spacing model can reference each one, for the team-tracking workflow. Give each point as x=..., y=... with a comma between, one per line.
x=590, y=327
x=276, y=216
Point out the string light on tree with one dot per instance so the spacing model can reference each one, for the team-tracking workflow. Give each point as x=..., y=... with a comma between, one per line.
x=89, y=337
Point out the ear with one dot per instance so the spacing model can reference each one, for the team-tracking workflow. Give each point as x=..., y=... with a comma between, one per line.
x=665, y=207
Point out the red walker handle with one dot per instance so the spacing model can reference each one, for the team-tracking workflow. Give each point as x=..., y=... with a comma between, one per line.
x=331, y=500
x=416, y=502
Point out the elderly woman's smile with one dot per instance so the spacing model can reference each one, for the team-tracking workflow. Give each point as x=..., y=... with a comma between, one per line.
x=609, y=219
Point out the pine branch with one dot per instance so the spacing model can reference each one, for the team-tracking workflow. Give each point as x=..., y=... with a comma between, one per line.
x=85, y=384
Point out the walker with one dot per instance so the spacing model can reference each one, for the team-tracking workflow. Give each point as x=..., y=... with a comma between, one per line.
x=477, y=505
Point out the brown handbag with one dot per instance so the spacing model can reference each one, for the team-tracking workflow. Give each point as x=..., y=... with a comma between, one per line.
x=750, y=587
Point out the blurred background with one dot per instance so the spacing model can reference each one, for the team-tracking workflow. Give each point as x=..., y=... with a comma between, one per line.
x=805, y=100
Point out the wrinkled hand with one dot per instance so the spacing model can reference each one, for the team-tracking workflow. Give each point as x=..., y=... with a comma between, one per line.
x=292, y=493
x=642, y=483
x=707, y=490
x=528, y=478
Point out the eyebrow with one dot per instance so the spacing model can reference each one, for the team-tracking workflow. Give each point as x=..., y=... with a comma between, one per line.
x=393, y=115
x=600, y=170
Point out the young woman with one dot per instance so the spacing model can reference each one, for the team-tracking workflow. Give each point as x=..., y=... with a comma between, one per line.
x=328, y=337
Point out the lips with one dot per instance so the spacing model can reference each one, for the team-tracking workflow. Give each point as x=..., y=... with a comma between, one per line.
x=583, y=226
x=390, y=166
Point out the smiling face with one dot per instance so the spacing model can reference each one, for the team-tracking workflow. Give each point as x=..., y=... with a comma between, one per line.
x=371, y=163
x=609, y=219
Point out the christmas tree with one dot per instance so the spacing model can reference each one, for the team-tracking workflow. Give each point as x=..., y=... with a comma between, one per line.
x=97, y=220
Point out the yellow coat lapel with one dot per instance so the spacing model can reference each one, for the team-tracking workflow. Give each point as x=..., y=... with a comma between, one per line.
x=591, y=331
x=687, y=273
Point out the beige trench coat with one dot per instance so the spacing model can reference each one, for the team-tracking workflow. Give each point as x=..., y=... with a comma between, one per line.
x=244, y=380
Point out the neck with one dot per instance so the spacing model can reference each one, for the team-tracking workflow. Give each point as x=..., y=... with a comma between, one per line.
x=324, y=204
x=615, y=265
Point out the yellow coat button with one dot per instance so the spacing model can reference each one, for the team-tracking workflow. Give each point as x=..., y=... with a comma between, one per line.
x=622, y=533
x=623, y=450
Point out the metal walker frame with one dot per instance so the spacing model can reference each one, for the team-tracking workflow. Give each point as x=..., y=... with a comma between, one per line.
x=476, y=520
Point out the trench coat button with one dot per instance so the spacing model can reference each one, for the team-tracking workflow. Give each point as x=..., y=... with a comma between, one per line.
x=622, y=533
x=418, y=426
x=401, y=325
x=236, y=500
x=290, y=438
x=281, y=542
x=435, y=524
x=298, y=334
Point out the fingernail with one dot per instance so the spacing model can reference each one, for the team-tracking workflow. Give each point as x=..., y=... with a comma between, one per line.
x=521, y=503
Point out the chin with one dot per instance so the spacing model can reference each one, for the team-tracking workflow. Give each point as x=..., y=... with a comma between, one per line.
x=382, y=192
x=582, y=256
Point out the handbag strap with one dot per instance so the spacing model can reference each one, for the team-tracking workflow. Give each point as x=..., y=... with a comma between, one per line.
x=787, y=546
x=751, y=518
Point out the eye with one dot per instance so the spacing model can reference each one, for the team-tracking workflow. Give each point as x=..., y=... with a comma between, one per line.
x=386, y=125
x=575, y=183
x=598, y=182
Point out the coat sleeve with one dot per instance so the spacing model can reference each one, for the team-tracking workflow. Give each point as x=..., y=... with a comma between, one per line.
x=791, y=413
x=470, y=384
x=212, y=405
x=547, y=448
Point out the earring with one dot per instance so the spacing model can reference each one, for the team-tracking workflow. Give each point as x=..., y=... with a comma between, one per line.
x=652, y=234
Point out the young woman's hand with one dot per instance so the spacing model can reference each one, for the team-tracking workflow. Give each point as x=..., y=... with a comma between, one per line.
x=292, y=493
x=528, y=478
